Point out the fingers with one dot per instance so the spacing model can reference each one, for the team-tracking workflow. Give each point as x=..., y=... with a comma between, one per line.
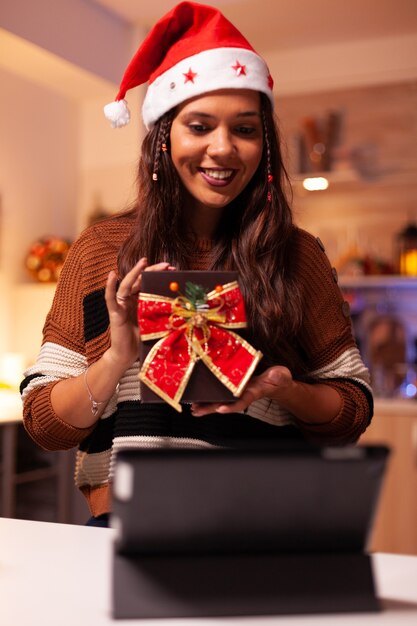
x=203, y=409
x=131, y=283
x=117, y=295
x=110, y=291
x=198, y=410
x=274, y=376
x=239, y=406
x=159, y=267
x=268, y=385
x=241, y=403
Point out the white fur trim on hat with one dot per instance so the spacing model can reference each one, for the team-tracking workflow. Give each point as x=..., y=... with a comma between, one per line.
x=117, y=113
x=210, y=70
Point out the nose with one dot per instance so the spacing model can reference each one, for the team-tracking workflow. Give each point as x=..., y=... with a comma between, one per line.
x=220, y=142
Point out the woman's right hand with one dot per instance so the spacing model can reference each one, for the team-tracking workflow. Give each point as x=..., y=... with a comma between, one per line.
x=121, y=301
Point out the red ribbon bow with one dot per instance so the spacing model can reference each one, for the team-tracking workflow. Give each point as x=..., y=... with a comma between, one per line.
x=187, y=333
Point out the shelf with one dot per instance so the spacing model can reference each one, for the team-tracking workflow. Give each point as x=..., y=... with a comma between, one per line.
x=333, y=176
x=377, y=281
x=395, y=407
x=353, y=177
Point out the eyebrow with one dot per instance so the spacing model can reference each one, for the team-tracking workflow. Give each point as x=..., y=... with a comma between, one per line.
x=209, y=116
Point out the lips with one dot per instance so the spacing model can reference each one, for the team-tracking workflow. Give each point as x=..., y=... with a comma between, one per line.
x=217, y=177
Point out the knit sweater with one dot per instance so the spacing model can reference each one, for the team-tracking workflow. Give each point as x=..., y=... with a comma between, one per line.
x=76, y=333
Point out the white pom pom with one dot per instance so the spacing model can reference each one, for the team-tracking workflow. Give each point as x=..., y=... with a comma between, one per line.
x=117, y=113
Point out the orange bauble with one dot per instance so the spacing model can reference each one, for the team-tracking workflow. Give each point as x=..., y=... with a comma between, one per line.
x=46, y=257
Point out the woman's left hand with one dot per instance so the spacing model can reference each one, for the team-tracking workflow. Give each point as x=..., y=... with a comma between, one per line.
x=274, y=383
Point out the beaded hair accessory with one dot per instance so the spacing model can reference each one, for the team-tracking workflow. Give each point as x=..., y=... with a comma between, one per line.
x=269, y=176
x=162, y=144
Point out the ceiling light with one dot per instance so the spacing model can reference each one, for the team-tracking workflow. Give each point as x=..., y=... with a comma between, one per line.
x=316, y=183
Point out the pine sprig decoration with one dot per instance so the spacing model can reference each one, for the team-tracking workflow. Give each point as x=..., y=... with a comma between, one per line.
x=196, y=294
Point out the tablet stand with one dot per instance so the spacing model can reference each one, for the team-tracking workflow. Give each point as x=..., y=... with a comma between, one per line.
x=161, y=586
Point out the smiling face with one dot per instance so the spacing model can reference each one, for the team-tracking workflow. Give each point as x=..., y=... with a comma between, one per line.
x=216, y=147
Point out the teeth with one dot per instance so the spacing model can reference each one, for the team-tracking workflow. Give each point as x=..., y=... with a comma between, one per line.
x=219, y=174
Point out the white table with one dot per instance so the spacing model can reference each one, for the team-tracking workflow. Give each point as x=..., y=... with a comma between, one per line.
x=54, y=574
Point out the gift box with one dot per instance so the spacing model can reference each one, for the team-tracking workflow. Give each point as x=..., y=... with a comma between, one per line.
x=190, y=348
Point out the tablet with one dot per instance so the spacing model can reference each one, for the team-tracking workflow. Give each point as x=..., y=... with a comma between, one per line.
x=263, y=498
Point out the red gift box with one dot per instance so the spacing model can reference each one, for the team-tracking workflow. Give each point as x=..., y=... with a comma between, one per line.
x=190, y=350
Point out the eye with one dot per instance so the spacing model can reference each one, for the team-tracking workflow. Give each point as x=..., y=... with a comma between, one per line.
x=246, y=130
x=198, y=128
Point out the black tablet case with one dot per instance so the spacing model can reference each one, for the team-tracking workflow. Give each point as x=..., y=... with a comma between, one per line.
x=265, y=530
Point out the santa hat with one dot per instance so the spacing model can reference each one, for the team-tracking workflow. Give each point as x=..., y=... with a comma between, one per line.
x=190, y=51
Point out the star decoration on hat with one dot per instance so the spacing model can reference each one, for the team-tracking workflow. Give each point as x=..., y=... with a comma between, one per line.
x=189, y=76
x=239, y=69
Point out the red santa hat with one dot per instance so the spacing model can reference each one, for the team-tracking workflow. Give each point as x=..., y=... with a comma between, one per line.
x=190, y=51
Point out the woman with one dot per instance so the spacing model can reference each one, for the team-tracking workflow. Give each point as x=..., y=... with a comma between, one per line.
x=210, y=196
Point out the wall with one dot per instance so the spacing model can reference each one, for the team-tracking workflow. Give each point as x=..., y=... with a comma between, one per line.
x=83, y=33
x=58, y=155
x=381, y=60
x=38, y=178
x=107, y=159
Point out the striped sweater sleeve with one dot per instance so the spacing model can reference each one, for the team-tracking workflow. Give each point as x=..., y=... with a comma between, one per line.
x=62, y=355
x=66, y=350
x=332, y=356
x=327, y=339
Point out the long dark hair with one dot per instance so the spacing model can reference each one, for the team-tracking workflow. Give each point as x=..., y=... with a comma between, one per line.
x=254, y=236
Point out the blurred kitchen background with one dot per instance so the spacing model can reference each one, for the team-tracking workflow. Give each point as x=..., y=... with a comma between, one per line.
x=346, y=97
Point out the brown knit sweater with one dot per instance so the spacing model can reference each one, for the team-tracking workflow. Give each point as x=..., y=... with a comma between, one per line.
x=76, y=333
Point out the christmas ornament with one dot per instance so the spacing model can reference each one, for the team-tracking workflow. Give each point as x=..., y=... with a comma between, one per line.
x=46, y=257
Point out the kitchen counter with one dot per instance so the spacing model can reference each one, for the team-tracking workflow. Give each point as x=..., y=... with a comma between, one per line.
x=395, y=407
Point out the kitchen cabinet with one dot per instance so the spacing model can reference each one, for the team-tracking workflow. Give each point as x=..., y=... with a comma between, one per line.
x=384, y=314
x=395, y=425
x=20, y=469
